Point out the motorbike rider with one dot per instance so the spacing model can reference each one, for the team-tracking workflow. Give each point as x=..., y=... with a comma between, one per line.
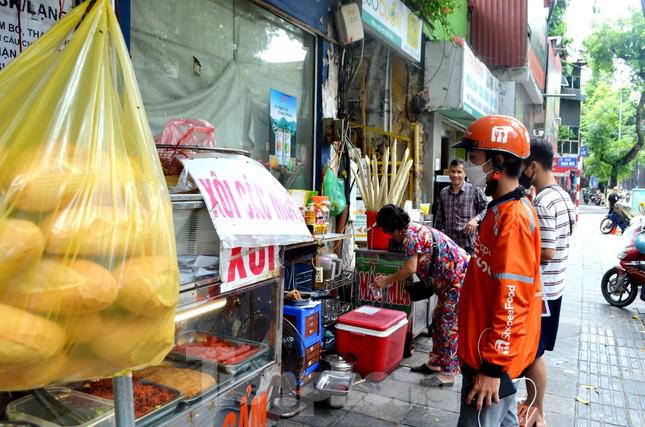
x=501, y=300
x=613, y=198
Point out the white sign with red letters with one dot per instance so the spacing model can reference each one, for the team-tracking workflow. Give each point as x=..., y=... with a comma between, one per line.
x=243, y=266
x=248, y=206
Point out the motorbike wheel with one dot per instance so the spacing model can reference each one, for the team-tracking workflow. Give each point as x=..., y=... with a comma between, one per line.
x=618, y=291
x=606, y=226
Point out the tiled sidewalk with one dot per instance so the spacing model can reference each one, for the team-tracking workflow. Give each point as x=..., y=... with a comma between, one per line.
x=599, y=359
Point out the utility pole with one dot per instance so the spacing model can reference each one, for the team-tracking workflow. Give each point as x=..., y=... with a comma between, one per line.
x=620, y=114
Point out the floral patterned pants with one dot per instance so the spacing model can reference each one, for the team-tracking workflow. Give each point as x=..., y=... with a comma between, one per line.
x=444, y=329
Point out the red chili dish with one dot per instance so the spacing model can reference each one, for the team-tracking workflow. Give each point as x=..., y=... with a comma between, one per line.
x=147, y=397
x=218, y=350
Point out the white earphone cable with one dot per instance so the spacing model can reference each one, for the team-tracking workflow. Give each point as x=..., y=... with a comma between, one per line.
x=528, y=412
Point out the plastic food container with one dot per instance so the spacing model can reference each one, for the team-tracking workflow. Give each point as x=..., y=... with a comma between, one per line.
x=95, y=412
x=374, y=338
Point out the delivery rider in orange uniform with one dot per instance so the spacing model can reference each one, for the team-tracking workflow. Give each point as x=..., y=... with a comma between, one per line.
x=501, y=299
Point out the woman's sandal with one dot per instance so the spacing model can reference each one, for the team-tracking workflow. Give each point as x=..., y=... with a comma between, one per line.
x=424, y=369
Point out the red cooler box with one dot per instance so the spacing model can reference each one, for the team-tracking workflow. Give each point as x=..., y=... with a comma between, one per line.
x=375, y=337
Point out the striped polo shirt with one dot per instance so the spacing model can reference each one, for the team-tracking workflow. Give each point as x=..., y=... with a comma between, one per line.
x=557, y=218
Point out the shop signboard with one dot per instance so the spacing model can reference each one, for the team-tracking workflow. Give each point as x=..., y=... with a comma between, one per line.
x=537, y=50
x=395, y=24
x=252, y=214
x=244, y=266
x=367, y=268
x=23, y=22
x=480, y=89
x=248, y=206
x=284, y=124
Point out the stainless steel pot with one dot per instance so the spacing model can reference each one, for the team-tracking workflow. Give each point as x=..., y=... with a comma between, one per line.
x=338, y=364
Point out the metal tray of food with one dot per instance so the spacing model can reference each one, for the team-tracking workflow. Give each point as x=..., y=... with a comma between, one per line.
x=167, y=408
x=335, y=383
x=149, y=418
x=233, y=369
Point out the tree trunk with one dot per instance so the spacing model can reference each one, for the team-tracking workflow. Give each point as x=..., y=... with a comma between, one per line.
x=613, y=181
x=640, y=128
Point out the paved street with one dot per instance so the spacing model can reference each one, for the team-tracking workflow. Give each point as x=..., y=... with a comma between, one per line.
x=597, y=372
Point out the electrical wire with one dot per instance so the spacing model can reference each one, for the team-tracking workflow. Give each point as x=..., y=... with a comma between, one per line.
x=443, y=54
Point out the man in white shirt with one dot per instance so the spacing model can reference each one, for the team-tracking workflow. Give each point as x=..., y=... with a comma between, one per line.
x=557, y=218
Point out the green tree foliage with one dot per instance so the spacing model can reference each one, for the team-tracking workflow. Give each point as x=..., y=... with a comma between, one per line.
x=434, y=12
x=565, y=132
x=621, y=42
x=600, y=127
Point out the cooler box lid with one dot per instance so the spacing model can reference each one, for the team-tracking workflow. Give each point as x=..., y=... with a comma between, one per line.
x=374, y=318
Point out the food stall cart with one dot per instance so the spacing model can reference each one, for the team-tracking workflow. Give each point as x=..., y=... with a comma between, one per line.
x=369, y=264
x=225, y=367
x=241, y=303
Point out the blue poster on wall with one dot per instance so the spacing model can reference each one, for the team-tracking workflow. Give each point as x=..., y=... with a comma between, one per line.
x=283, y=111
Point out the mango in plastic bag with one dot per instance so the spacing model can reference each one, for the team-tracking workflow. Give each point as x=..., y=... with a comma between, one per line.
x=88, y=267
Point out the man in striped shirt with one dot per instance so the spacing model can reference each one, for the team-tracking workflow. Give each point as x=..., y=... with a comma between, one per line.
x=557, y=218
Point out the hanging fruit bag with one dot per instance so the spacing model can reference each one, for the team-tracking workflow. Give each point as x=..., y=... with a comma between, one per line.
x=88, y=270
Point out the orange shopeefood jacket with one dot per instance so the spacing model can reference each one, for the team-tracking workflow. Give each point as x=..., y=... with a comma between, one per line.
x=500, y=306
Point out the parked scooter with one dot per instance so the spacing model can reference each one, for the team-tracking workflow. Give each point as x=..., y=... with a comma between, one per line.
x=620, y=217
x=596, y=199
x=620, y=284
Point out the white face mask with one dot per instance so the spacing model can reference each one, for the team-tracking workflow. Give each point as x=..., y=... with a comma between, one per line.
x=476, y=175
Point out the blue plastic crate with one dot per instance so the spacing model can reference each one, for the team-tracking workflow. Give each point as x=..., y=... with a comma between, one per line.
x=307, y=320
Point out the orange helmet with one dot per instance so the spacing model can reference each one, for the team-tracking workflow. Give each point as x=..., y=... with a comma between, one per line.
x=497, y=133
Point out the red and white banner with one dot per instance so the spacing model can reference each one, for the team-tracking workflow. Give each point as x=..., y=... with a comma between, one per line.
x=248, y=206
x=243, y=266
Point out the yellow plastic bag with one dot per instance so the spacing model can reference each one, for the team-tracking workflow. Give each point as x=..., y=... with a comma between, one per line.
x=88, y=269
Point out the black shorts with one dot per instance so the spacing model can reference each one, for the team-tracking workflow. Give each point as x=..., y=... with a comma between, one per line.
x=549, y=329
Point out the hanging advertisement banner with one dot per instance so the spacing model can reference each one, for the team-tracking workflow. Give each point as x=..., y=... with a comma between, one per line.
x=480, y=89
x=248, y=206
x=22, y=22
x=283, y=112
x=244, y=266
x=395, y=24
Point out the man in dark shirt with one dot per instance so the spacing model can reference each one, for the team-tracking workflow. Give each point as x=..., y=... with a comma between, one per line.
x=461, y=207
x=613, y=199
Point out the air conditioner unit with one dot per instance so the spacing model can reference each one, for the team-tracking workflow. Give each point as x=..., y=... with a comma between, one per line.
x=349, y=23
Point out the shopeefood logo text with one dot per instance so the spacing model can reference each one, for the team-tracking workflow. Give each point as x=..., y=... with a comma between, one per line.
x=480, y=255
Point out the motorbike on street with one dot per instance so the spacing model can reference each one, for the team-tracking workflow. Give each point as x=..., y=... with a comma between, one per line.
x=620, y=218
x=597, y=199
x=620, y=284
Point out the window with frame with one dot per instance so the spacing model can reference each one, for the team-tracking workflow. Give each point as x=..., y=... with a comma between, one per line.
x=219, y=60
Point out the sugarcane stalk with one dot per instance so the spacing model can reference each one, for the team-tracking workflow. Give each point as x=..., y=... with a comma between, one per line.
x=394, y=153
x=375, y=182
x=384, y=178
x=392, y=196
x=402, y=183
x=370, y=187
